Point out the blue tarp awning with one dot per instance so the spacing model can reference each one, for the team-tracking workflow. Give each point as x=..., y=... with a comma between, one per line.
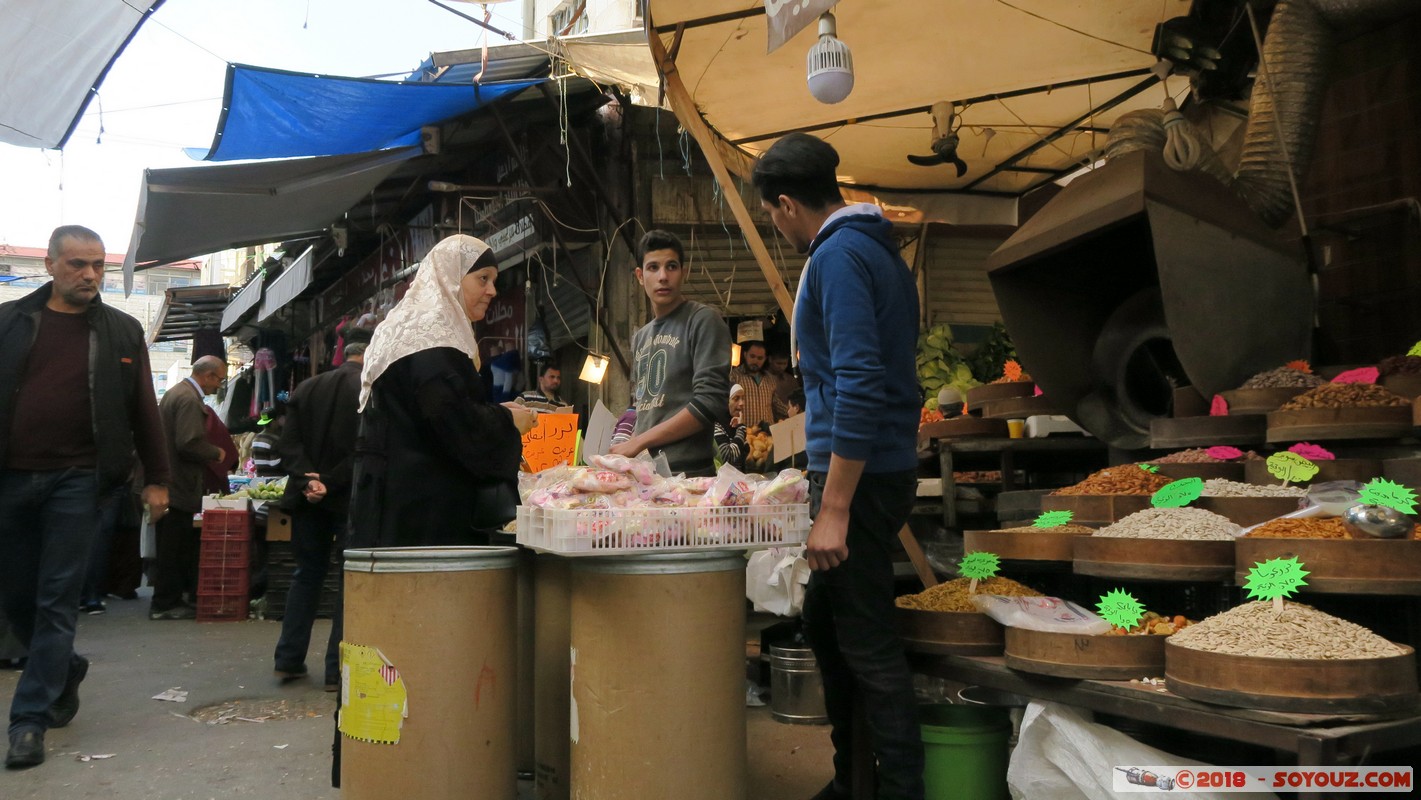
x=269, y=113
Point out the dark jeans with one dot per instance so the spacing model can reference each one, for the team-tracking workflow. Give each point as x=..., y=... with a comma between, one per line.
x=97, y=575
x=848, y=619
x=47, y=525
x=176, y=570
x=313, y=532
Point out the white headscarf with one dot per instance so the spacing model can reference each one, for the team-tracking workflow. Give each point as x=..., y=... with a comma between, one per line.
x=431, y=314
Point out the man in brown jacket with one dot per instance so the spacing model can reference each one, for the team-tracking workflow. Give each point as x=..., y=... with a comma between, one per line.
x=189, y=453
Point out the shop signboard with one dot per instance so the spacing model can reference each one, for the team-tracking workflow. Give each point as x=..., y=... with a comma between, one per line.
x=503, y=326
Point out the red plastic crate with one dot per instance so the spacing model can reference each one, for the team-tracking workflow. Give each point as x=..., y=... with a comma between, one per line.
x=220, y=523
x=223, y=552
x=222, y=580
x=221, y=607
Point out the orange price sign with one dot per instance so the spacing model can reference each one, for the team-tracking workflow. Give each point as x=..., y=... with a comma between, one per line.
x=552, y=442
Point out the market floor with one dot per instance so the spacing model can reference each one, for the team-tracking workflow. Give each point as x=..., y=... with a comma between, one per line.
x=239, y=734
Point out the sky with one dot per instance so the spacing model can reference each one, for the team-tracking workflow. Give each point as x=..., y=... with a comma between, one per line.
x=164, y=93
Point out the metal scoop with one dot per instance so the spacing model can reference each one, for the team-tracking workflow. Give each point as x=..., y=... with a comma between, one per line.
x=1379, y=522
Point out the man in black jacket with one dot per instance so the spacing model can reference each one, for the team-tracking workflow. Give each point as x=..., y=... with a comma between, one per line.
x=77, y=401
x=316, y=453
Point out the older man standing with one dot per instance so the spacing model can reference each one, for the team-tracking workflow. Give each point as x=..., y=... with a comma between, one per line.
x=189, y=451
x=77, y=401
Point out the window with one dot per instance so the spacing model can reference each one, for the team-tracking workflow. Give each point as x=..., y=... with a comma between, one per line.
x=561, y=21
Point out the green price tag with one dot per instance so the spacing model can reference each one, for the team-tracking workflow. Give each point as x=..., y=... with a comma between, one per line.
x=1275, y=578
x=1052, y=519
x=979, y=566
x=1382, y=492
x=1148, y=467
x=1120, y=608
x=1415, y=350
x=1289, y=467
x=1178, y=493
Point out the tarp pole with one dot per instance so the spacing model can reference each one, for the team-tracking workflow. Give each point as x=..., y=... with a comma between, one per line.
x=691, y=120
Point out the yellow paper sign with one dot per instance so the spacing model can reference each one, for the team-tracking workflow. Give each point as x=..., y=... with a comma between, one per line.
x=373, y=701
x=551, y=443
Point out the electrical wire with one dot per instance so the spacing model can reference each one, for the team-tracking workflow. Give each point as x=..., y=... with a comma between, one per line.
x=1072, y=30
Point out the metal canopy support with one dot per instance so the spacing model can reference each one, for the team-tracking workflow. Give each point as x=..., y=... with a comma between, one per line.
x=691, y=120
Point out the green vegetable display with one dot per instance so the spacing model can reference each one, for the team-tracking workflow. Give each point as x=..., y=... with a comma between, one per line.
x=939, y=365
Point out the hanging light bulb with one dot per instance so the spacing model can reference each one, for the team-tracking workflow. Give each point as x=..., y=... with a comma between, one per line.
x=831, y=65
x=734, y=355
x=594, y=368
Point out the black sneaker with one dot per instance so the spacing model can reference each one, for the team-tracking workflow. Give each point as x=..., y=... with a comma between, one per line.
x=26, y=749
x=288, y=674
x=67, y=704
x=93, y=607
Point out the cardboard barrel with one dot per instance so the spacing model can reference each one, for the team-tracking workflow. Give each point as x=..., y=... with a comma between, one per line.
x=1154, y=559
x=552, y=591
x=444, y=618
x=1301, y=685
x=1260, y=401
x=1341, y=566
x=1314, y=424
x=960, y=633
x=1068, y=655
x=658, y=677
x=1167, y=433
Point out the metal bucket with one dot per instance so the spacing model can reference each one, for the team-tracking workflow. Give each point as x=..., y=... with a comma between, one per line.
x=796, y=688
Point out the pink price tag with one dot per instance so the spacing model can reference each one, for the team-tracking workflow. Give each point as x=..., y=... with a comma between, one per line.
x=1224, y=452
x=1312, y=452
x=1036, y=391
x=1219, y=407
x=1359, y=375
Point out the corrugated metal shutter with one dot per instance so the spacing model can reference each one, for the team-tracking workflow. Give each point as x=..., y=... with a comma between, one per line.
x=562, y=304
x=725, y=276
x=958, y=291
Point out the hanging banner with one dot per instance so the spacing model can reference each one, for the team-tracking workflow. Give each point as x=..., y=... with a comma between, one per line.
x=785, y=18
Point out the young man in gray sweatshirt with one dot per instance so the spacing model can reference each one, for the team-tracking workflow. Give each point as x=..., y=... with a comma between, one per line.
x=682, y=370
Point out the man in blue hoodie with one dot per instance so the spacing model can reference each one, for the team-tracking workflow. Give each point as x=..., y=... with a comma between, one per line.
x=855, y=330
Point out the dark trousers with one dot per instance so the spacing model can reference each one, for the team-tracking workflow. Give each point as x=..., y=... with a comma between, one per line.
x=176, y=570
x=47, y=524
x=96, y=578
x=848, y=618
x=313, y=532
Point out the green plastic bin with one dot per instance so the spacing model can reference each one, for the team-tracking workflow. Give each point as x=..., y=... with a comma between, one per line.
x=966, y=752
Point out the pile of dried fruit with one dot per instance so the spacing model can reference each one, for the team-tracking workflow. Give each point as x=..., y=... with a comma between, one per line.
x=1152, y=623
x=954, y=596
x=1399, y=365
x=1256, y=629
x=1220, y=487
x=1172, y=523
x=1346, y=395
x=1069, y=528
x=1309, y=528
x=1282, y=378
x=1124, y=479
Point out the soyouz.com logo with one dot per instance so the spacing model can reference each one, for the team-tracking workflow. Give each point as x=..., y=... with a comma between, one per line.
x=1261, y=779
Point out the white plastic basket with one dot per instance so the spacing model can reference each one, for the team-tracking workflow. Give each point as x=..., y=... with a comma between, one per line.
x=620, y=531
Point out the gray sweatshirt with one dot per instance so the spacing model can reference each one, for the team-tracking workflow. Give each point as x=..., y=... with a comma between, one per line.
x=683, y=361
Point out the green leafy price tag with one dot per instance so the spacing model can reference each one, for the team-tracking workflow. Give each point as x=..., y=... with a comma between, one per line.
x=1382, y=492
x=1415, y=350
x=1148, y=467
x=1120, y=608
x=1178, y=493
x=1052, y=519
x=1290, y=467
x=1275, y=578
x=979, y=566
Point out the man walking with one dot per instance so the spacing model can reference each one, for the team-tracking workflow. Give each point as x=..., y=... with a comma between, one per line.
x=316, y=451
x=549, y=383
x=682, y=365
x=854, y=327
x=189, y=452
x=759, y=385
x=77, y=401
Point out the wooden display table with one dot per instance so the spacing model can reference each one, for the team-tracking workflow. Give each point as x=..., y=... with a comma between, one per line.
x=1053, y=454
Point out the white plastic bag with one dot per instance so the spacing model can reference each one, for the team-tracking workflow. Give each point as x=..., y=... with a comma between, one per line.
x=775, y=580
x=1048, y=614
x=1062, y=755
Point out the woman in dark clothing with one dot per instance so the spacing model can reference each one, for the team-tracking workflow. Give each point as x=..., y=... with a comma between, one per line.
x=435, y=460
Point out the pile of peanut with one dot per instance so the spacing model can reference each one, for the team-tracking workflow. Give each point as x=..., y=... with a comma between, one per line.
x=1124, y=479
x=1346, y=395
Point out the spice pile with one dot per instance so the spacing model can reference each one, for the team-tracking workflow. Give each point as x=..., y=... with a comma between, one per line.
x=1219, y=487
x=1255, y=629
x=1282, y=378
x=1152, y=623
x=1068, y=528
x=1346, y=395
x=1399, y=365
x=1309, y=528
x=1200, y=455
x=954, y=596
x=1172, y=523
x=1124, y=479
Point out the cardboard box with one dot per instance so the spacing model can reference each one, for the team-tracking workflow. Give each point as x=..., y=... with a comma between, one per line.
x=238, y=504
x=278, y=525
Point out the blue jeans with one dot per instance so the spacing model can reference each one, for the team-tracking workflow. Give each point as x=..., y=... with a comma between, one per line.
x=48, y=521
x=313, y=532
x=848, y=620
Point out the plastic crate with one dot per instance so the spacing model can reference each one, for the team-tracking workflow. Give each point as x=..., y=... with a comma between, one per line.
x=223, y=524
x=224, y=551
x=280, y=572
x=222, y=607
x=223, y=579
x=619, y=531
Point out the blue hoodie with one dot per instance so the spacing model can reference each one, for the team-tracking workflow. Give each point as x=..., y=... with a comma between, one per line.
x=856, y=329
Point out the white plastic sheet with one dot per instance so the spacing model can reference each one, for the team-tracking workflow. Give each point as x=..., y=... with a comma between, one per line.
x=775, y=580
